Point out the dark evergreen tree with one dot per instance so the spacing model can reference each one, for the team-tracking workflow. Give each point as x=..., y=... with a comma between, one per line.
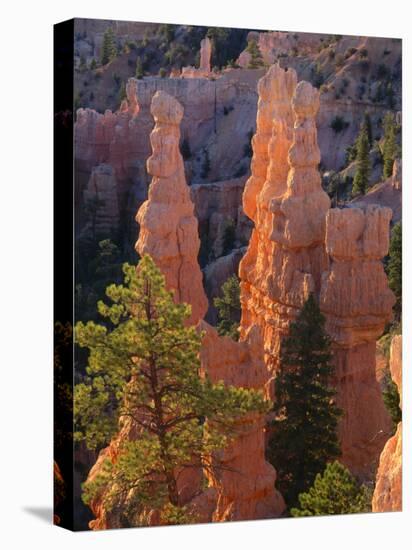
x=336, y=491
x=139, y=68
x=391, y=399
x=109, y=49
x=228, y=307
x=229, y=236
x=363, y=167
x=304, y=432
x=389, y=144
x=368, y=125
x=394, y=268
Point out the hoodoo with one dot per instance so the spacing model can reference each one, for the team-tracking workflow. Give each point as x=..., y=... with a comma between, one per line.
x=284, y=197
x=168, y=226
x=357, y=303
x=245, y=487
x=299, y=246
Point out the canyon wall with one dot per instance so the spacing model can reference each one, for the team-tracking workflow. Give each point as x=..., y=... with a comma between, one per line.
x=387, y=496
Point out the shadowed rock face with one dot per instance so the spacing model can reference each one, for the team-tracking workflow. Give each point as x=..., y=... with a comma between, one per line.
x=100, y=198
x=387, y=496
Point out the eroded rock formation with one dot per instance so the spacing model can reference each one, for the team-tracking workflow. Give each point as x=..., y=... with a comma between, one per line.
x=245, y=488
x=286, y=253
x=357, y=303
x=387, y=496
x=247, y=492
x=204, y=67
x=109, y=137
x=299, y=246
x=100, y=198
x=168, y=227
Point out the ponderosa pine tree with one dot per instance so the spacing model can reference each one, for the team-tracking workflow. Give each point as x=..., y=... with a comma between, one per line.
x=368, y=125
x=394, y=268
x=228, y=307
x=389, y=144
x=336, y=491
x=304, y=432
x=144, y=365
x=109, y=50
x=363, y=167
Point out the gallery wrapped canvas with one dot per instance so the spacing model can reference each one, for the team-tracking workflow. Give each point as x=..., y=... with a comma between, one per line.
x=228, y=274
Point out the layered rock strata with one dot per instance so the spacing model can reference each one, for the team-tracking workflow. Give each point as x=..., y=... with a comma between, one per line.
x=244, y=489
x=168, y=226
x=357, y=303
x=284, y=197
x=109, y=137
x=387, y=496
x=299, y=246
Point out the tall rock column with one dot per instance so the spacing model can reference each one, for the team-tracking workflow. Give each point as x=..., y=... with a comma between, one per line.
x=168, y=232
x=357, y=303
x=168, y=226
x=205, y=54
x=245, y=488
x=387, y=496
x=286, y=254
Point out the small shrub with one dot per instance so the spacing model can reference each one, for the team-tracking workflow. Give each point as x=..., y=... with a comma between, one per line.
x=363, y=53
x=162, y=72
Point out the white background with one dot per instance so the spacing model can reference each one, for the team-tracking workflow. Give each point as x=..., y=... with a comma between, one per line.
x=26, y=272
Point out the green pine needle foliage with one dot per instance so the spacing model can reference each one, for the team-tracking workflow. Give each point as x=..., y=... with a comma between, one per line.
x=228, y=307
x=144, y=368
x=335, y=491
x=390, y=148
x=394, y=268
x=363, y=166
x=304, y=433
